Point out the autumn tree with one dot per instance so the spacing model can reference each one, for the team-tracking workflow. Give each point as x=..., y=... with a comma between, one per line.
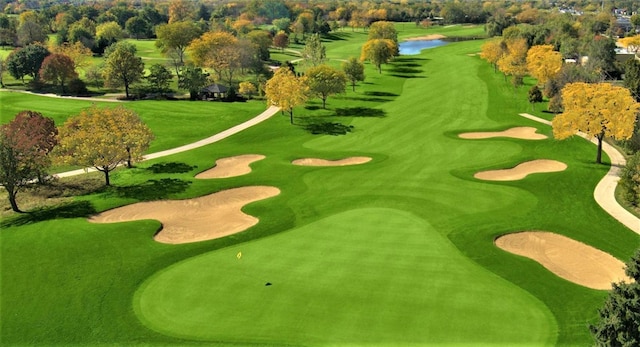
x=596, y=109
x=122, y=67
x=261, y=41
x=30, y=31
x=286, y=91
x=513, y=62
x=103, y=138
x=378, y=52
x=219, y=51
x=247, y=88
x=384, y=30
x=181, y=10
x=174, y=38
x=281, y=40
x=323, y=80
x=80, y=54
x=57, y=69
x=619, y=322
x=543, y=62
x=109, y=32
x=354, y=70
x=631, y=43
x=314, y=52
x=25, y=144
x=492, y=51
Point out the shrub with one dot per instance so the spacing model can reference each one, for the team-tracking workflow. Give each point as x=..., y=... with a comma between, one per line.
x=630, y=180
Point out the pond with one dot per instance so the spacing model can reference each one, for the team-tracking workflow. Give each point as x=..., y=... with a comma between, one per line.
x=414, y=47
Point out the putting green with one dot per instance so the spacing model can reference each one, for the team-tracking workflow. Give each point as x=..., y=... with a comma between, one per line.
x=372, y=276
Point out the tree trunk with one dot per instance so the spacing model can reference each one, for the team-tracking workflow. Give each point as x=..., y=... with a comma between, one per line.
x=107, y=182
x=126, y=90
x=291, y=115
x=324, y=102
x=599, y=156
x=129, y=158
x=13, y=202
x=353, y=85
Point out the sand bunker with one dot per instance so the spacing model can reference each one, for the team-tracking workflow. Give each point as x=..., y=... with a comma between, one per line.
x=427, y=37
x=524, y=133
x=566, y=258
x=231, y=166
x=204, y=218
x=324, y=162
x=522, y=170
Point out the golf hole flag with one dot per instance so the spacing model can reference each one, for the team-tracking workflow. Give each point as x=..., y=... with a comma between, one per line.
x=239, y=255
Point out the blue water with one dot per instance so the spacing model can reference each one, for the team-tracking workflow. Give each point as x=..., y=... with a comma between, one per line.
x=414, y=47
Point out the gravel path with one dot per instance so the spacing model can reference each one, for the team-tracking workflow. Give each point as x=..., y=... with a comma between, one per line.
x=604, y=193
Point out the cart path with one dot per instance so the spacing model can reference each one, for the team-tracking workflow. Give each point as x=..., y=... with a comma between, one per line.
x=604, y=194
x=268, y=113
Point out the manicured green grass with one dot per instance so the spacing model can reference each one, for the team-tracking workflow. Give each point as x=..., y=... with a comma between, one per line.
x=174, y=123
x=396, y=251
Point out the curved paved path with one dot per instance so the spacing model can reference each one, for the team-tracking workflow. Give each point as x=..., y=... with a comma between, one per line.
x=268, y=113
x=604, y=193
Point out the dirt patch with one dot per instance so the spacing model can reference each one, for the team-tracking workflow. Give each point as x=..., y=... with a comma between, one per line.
x=231, y=166
x=324, y=162
x=522, y=170
x=427, y=37
x=524, y=133
x=204, y=218
x=566, y=258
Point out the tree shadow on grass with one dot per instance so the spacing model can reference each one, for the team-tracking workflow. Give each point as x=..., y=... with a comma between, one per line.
x=374, y=93
x=360, y=112
x=172, y=167
x=76, y=209
x=328, y=128
x=152, y=189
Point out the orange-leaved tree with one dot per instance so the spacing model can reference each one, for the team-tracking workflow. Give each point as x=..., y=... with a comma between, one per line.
x=514, y=61
x=58, y=69
x=596, y=109
x=102, y=138
x=286, y=91
x=218, y=50
x=492, y=51
x=631, y=43
x=543, y=63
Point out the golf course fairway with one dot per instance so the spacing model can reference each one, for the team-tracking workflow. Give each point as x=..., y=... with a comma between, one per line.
x=392, y=280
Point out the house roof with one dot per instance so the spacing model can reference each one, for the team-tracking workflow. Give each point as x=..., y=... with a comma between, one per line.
x=215, y=88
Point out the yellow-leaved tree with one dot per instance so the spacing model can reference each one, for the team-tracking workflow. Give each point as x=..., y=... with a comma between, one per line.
x=514, y=61
x=543, y=63
x=286, y=91
x=492, y=51
x=102, y=138
x=596, y=109
x=631, y=43
x=219, y=51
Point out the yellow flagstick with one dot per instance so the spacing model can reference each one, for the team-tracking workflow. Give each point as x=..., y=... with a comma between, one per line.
x=239, y=255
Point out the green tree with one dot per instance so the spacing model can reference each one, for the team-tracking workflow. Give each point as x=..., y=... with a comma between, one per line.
x=282, y=24
x=122, y=67
x=323, y=80
x=535, y=96
x=378, y=52
x=26, y=61
x=192, y=79
x=286, y=91
x=619, y=323
x=174, y=38
x=630, y=180
x=314, y=52
x=31, y=32
x=598, y=110
x=159, y=78
x=25, y=144
x=103, y=139
x=632, y=77
x=138, y=27
x=109, y=32
x=58, y=68
x=602, y=56
x=354, y=70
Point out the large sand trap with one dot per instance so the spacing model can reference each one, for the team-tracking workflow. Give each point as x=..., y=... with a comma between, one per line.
x=567, y=258
x=524, y=133
x=522, y=170
x=427, y=37
x=324, y=162
x=231, y=166
x=204, y=218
